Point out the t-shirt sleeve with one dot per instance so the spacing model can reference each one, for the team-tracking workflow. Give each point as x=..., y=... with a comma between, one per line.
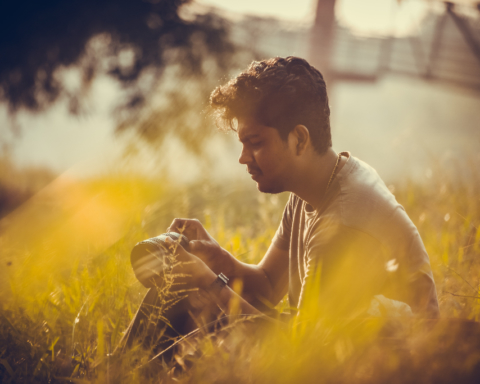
x=282, y=236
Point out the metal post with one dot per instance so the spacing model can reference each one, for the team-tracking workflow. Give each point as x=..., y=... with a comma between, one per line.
x=464, y=30
x=436, y=42
x=321, y=40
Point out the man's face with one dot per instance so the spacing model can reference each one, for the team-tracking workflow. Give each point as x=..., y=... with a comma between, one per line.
x=268, y=158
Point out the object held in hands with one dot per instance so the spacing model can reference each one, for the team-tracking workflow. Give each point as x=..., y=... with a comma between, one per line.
x=149, y=258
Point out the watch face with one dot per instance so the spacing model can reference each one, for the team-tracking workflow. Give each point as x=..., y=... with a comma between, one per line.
x=223, y=278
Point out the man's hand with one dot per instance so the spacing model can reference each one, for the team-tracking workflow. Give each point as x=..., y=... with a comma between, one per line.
x=192, y=272
x=265, y=281
x=198, y=275
x=204, y=246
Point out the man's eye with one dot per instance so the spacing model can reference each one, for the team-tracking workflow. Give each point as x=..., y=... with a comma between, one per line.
x=256, y=143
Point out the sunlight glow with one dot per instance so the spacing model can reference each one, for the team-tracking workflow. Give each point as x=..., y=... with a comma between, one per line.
x=300, y=10
x=368, y=17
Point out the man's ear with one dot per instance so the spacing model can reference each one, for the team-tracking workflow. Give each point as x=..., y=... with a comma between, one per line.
x=301, y=135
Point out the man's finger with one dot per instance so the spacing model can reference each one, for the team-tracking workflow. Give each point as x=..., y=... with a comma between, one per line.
x=187, y=227
x=175, y=247
x=178, y=225
x=197, y=246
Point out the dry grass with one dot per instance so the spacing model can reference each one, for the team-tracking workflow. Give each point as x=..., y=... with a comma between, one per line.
x=69, y=292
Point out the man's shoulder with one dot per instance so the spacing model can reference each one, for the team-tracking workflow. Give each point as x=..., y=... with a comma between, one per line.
x=366, y=203
x=360, y=180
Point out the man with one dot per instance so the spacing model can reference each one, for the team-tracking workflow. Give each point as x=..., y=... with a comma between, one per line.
x=340, y=224
x=343, y=237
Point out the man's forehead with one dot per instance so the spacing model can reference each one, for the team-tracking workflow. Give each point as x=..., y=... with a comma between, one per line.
x=248, y=128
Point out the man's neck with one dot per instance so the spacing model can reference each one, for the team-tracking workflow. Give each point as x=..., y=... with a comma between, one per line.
x=312, y=180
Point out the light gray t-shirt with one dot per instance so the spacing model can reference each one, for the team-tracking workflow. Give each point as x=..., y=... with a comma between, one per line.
x=363, y=241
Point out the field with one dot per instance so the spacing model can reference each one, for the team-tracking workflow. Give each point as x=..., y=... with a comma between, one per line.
x=69, y=292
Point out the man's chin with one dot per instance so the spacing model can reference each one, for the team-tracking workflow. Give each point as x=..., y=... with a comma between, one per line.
x=273, y=189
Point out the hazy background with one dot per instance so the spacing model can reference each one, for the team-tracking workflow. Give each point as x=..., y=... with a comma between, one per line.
x=397, y=123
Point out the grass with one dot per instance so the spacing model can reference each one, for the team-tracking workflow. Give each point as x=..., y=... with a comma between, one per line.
x=69, y=292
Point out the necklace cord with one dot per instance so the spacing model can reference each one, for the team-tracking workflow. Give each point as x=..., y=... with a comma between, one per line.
x=332, y=176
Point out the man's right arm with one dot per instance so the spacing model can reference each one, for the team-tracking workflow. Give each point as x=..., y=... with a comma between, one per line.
x=264, y=285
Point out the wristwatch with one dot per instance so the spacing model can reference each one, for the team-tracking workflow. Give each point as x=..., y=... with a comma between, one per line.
x=220, y=282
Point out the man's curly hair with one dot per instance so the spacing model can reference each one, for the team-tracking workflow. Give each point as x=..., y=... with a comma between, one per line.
x=279, y=93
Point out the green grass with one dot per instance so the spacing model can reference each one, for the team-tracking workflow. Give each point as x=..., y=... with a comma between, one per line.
x=69, y=292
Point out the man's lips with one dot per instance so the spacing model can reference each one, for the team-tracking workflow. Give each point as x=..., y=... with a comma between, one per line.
x=254, y=173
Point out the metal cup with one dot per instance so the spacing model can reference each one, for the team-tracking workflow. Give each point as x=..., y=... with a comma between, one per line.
x=149, y=258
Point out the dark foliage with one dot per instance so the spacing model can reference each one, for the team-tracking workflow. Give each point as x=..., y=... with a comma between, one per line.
x=30, y=352
x=18, y=184
x=38, y=37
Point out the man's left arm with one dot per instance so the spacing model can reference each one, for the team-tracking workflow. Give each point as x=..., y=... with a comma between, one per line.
x=354, y=266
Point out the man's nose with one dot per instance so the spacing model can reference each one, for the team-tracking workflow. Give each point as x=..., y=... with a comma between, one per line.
x=245, y=156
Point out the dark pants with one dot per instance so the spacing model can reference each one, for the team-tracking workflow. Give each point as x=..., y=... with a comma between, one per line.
x=165, y=329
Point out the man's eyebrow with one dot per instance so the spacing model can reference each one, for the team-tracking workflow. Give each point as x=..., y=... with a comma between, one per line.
x=248, y=137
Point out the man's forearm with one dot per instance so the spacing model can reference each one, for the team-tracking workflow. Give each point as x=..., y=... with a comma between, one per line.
x=257, y=288
x=264, y=284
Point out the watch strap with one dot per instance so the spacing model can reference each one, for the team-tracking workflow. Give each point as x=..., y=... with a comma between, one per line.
x=218, y=284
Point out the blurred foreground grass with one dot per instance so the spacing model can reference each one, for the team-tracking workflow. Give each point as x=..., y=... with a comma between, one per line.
x=68, y=291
